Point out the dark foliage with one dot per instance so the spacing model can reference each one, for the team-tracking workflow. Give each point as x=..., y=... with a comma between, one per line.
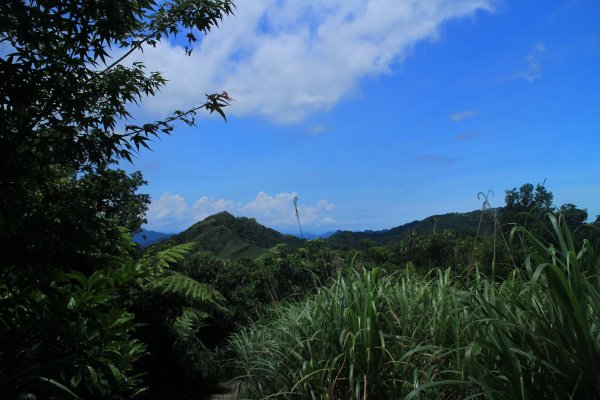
x=462, y=223
x=527, y=200
x=65, y=263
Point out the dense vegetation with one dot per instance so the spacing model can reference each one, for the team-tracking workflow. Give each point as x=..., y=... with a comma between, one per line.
x=438, y=335
x=288, y=290
x=72, y=288
x=453, y=306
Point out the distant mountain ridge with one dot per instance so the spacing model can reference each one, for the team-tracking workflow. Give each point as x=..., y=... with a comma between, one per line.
x=233, y=237
x=146, y=237
x=310, y=235
x=463, y=223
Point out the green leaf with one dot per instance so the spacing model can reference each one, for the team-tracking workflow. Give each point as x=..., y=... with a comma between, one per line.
x=60, y=386
x=76, y=379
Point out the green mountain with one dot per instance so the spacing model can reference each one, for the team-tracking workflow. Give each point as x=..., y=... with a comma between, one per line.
x=462, y=223
x=232, y=237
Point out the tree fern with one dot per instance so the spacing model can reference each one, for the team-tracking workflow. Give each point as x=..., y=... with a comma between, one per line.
x=161, y=261
x=194, y=292
x=167, y=281
x=189, y=322
x=174, y=309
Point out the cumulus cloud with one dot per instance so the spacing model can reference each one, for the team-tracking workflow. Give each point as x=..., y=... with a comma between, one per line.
x=168, y=206
x=459, y=116
x=205, y=206
x=172, y=213
x=286, y=59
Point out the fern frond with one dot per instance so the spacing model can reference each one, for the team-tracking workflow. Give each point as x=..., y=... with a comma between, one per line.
x=195, y=314
x=163, y=259
x=189, y=321
x=194, y=292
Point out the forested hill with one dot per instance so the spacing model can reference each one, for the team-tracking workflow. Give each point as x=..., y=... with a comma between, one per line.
x=462, y=223
x=232, y=237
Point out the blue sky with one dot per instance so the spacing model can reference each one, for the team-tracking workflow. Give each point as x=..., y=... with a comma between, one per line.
x=376, y=113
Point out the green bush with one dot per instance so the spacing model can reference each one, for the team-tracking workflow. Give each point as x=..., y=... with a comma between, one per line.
x=74, y=336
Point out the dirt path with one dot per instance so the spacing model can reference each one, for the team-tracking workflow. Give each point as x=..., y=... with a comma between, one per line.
x=231, y=394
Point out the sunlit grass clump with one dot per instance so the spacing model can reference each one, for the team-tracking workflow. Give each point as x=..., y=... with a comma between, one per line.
x=380, y=336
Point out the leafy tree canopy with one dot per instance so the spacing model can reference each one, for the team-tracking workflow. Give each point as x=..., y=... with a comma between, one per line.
x=574, y=217
x=528, y=197
x=64, y=101
x=536, y=200
x=62, y=94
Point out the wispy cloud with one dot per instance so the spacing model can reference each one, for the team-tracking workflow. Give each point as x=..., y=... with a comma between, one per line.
x=465, y=136
x=287, y=59
x=437, y=159
x=317, y=129
x=459, y=116
x=172, y=212
x=533, y=65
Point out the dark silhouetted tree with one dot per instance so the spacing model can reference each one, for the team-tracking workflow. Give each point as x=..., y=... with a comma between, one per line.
x=535, y=200
x=65, y=264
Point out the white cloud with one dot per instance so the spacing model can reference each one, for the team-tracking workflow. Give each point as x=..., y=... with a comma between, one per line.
x=459, y=116
x=317, y=129
x=533, y=65
x=169, y=210
x=286, y=59
x=277, y=209
x=205, y=206
x=325, y=205
x=169, y=205
x=173, y=213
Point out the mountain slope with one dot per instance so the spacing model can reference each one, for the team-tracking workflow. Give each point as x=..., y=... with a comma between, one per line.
x=463, y=223
x=232, y=237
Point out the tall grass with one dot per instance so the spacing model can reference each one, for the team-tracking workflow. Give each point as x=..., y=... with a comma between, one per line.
x=543, y=333
x=371, y=335
x=366, y=336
